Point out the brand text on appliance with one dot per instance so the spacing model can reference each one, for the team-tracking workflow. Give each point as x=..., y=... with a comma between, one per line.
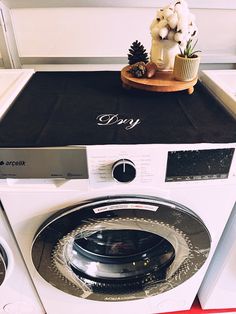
x=13, y=163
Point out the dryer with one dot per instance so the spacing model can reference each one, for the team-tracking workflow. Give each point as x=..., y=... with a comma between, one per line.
x=17, y=291
x=117, y=198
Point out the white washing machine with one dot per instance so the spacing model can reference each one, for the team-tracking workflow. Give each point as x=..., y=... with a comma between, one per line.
x=135, y=191
x=218, y=290
x=101, y=245
x=17, y=293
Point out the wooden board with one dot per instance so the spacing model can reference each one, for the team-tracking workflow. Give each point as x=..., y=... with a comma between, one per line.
x=163, y=81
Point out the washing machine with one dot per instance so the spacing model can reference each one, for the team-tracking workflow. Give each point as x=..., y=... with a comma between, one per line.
x=218, y=288
x=18, y=295
x=117, y=197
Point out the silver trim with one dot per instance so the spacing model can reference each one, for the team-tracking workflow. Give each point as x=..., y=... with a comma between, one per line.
x=68, y=162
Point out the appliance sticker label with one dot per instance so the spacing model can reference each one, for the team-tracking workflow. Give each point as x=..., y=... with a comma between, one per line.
x=125, y=206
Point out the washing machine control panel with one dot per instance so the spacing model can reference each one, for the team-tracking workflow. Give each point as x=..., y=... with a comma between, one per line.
x=205, y=164
x=155, y=164
x=139, y=164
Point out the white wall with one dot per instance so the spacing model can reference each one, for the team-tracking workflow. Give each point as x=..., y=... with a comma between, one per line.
x=108, y=32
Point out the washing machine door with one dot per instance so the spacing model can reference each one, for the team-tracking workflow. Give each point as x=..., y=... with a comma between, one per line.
x=3, y=265
x=120, y=248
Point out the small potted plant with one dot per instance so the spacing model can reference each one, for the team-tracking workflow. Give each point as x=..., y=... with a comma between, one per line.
x=187, y=63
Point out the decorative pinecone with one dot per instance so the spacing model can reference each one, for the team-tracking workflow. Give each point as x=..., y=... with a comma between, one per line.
x=137, y=53
x=138, y=69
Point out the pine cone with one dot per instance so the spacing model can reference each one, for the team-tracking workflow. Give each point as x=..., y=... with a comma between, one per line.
x=137, y=53
x=138, y=69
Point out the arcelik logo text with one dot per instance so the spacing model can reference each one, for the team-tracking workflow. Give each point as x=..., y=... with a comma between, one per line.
x=13, y=163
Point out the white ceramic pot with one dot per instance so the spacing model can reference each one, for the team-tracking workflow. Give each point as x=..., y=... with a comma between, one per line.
x=163, y=53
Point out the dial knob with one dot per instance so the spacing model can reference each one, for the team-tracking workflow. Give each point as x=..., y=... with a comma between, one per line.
x=124, y=171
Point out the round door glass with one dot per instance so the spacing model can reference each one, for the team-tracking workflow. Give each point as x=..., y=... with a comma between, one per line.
x=119, y=245
x=123, y=253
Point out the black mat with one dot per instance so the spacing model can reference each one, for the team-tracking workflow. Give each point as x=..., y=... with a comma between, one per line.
x=62, y=108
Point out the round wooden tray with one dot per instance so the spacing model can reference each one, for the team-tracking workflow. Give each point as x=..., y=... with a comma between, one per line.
x=163, y=81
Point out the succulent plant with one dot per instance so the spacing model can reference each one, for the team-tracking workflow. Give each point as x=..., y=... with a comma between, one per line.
x=188, y=51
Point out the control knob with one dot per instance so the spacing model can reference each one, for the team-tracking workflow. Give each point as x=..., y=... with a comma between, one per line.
x=124, y=171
